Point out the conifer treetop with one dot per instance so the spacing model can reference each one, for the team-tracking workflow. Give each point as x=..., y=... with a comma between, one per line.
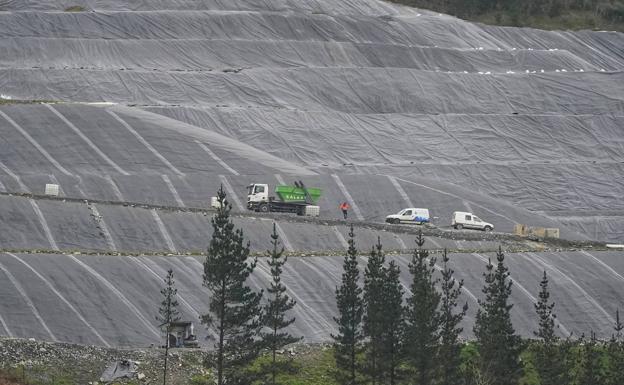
x=544, y=309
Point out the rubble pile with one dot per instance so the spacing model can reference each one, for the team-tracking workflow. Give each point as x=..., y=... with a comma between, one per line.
x=85, y=364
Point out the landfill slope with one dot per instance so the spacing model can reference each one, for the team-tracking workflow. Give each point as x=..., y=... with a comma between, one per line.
x=141, y=110
x=528, y=117
x=99, y=300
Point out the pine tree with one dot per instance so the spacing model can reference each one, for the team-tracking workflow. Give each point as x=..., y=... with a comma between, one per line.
x=615, y=353
x=394, y=324
x=567, y=352
x=274, y=318
x=450, y=348
x=235, y=309
x=421, y=315
x=589, y=366
x=548, y=362
x=499, y=346
x=544, y=310
x=168, y=313
x=374, y=308
x=347, y=344
x=618, y=327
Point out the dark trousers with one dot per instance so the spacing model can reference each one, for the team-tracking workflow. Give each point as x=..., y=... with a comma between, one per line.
x=344, y=214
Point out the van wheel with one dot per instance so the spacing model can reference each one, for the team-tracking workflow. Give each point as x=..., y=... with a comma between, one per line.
x=396, y=221
x=487, y=229
x=264, y=208
x=459, y=227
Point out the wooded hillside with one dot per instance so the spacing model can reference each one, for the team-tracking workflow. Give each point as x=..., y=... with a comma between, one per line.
x=545, y=14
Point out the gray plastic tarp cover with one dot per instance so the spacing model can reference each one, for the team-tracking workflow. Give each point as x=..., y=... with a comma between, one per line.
x=128, y=155
x=113, y=300
x=381, y=105
x=526, y=118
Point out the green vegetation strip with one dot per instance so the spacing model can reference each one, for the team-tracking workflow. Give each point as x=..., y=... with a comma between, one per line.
x=552, y=14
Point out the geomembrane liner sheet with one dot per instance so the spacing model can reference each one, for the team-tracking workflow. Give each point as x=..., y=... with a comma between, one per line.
x=117, y=297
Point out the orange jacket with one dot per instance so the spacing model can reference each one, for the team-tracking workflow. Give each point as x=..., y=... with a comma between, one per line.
x=344, y=206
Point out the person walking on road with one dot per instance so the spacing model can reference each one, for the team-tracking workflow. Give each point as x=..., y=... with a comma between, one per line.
x=344, y=206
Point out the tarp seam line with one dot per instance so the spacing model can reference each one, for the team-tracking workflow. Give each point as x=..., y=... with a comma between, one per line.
x=524, y=290
x=285, y=241
x=6, y=327
x=28, y=301
x=400, y=241
x=458, y=197
x=58, y=294
x=313, y=313
x=216, y=158
x=14, y=176
x=340, y=237
x=179, y=261
x=32, y=141
x=44, y=224
x=348, y=196
x=607, y=267
x=575, y=284
x=87, y=140
x=118, y=293
x=160, y=279
x=401, y=191
x=279, y=178
x=116, y=190
x=173, y=190
x=164, y=232
x=145, y=143
x=231, y=192
x=100, y=221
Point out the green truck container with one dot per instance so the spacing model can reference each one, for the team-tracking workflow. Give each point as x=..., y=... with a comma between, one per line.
x=289, y=193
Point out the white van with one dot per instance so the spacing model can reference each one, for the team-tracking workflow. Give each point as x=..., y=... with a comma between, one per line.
x=464, y=220
x=409, y=215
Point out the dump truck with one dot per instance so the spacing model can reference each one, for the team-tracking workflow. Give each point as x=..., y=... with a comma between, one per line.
x=296, y=198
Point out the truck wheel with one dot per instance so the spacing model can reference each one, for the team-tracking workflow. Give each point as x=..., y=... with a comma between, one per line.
x=487, y=229
x=459, y=226
x=264, y=208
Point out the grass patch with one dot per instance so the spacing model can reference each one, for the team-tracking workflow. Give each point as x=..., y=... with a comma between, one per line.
x=599, y=15
x=313, y=367
x=15, y=101
x=9, y=378
x=573, y=20
x=75, y=8
x=33, y=376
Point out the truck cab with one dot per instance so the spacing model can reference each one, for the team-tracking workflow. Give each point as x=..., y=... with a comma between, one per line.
x=256, y=193
x=465, y=220
x=409, y=215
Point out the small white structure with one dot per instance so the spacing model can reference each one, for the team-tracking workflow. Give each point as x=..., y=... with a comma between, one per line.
x=312, y=211
x=51, y=189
